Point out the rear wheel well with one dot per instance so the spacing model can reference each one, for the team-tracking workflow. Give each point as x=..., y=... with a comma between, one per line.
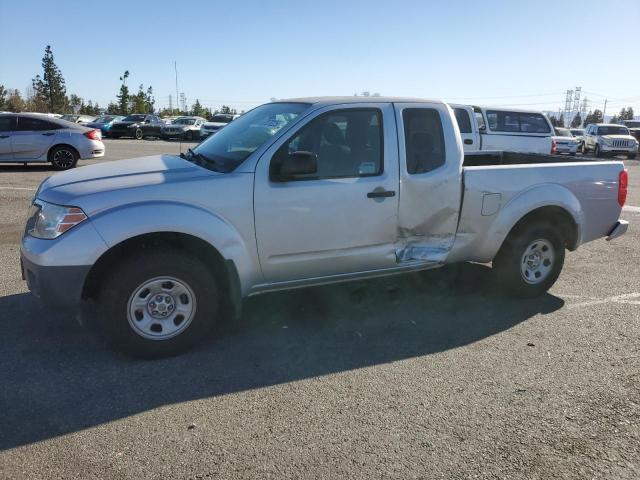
x=224, y=271
x=557, y=217
x=53, y=147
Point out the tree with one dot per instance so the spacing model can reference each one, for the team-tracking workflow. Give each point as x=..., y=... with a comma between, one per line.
x=15, y=102
x=225, y=109
x=561, y=120
x=149, y=100
x=626, y=114
x=197, y=110
x=3, y=97
x=50, y=89
x=554, y=121
x=593, y=117
x=577, y=121
x=139, y=104
x=76, y=103
x=614, y=119
x=112, y=108
x=123, y=96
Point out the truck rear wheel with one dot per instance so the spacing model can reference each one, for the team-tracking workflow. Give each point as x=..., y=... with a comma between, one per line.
x=157, y=304
x=530, y=260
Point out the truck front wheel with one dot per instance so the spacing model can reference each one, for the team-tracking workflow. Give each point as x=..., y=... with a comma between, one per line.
x=530, y=260
x=157, y=304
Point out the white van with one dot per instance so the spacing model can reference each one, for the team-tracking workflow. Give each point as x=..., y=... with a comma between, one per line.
x=490, y=128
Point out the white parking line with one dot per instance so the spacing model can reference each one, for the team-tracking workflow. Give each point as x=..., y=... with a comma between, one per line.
x=627, y=298
x=18, y=188
x=632, y=209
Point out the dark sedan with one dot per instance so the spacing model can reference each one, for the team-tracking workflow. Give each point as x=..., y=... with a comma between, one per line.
x=138, y=125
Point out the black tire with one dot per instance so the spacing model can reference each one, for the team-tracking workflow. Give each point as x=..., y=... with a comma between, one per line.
x=63, y=157
x=139, y=134
x=129, y=276
x=189, y=136
x=510, y=261
x=583, y=148
x=573, y=154
x=597, y=152
x=631, y=156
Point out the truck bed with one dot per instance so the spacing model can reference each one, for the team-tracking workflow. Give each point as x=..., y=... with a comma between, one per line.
x=488, y=158
x=500, y=188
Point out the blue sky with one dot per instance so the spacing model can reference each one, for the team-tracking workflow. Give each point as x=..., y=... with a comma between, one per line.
x=493, y=52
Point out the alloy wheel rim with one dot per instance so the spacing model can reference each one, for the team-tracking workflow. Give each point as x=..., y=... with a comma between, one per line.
x=63, y=158
x=139, y=134
x=161, y=308
x=537, y=260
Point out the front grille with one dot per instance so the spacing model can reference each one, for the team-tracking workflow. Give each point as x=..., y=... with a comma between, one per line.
x=620, y=143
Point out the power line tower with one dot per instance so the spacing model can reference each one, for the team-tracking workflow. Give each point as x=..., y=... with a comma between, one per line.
x=183, y=101
x=576, y=103
x=170, y=103
x=568, y=103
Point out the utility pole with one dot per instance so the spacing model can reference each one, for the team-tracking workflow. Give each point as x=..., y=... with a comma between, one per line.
x=604, y=109
x=175, y=67
x=171, y=103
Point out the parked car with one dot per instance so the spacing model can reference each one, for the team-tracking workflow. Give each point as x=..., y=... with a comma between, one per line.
x=218, y=121
x=80, y=119
x=578, y=134
x=305, y=192
x=132, y=125
x=609, y=139
x=104, y=123
x=630, y=123
x=564, y=142
x=635, y=133
x=186, y=128
x=489, y=128
x=29, y=137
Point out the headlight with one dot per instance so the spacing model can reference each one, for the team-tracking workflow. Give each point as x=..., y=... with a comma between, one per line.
x=49, y=221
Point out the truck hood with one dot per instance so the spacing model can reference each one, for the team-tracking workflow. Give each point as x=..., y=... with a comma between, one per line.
x=63, y=188
x=618, y=137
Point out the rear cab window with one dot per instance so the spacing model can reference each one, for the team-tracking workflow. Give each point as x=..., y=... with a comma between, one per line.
x=424, y=140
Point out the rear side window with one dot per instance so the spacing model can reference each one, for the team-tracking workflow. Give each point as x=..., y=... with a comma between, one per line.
x=522, y=122
x=462, y=117
x=424, y=139
x=27, y=124
x=7, y=123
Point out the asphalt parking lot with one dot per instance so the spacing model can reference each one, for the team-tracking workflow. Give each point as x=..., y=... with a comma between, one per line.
x=431, y=375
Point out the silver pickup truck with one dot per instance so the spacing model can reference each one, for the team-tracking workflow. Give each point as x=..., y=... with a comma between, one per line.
x=303, y=192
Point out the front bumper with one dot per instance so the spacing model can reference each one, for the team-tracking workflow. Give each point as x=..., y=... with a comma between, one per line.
x=610, y=149
x=619, y=229
x=59, y=287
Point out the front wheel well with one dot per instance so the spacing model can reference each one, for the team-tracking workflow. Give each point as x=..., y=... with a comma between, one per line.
x=558, y=217
x=223, y=270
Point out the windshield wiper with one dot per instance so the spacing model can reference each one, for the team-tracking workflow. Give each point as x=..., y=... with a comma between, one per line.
x=203, y=161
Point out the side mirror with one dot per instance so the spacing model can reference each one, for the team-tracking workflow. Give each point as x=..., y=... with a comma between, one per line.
x=298, y=163
x=482, y=128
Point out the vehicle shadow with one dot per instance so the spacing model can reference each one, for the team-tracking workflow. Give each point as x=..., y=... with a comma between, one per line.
x=29, y=167
x=57, y=378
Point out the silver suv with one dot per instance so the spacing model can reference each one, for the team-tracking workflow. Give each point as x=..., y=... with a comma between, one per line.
x=186, y=128
x=609, y=139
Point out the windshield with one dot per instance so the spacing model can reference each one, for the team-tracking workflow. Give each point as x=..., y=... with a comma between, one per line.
x=234, y=143
x=134, y=118
x=70, y=118
x=613, y=130
x=104, y=119
x=222, y=118
x=184, y=121
x=563, y=132
x=577, y=131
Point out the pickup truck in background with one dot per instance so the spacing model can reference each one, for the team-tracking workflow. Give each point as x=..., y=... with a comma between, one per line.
x=499, y=129
x=297, y=193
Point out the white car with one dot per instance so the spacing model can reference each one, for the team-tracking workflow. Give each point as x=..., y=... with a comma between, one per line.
x=489, y=128
x=81, y=119
x=564, y=142
x=609, y=139
x=29, y=137
x=218, y=121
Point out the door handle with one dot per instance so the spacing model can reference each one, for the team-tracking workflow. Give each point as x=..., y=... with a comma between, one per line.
x=468, y=141
x=48, y=134
x=4, y=136
x=381, y=193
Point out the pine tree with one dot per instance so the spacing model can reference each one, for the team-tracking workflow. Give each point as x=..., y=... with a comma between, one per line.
x=3, y=97
x=139, y=104
x=15, y=102
x=123, y=96
x=614, y=119
x=554, y=121
x=149, y=100
x=197, y=110
x=50, y=89
x=561, y=120
x=577, y=121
